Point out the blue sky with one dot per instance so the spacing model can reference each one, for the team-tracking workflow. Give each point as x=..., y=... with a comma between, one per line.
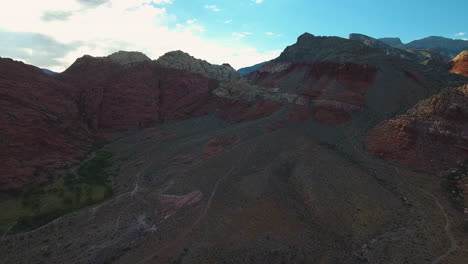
x=407, y=19
x=53, y=33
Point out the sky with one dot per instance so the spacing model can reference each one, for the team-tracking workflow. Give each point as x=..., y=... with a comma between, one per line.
x=54, y=33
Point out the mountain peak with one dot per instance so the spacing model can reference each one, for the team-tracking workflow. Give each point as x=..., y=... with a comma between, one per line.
x=128, y=58
x=304, y=37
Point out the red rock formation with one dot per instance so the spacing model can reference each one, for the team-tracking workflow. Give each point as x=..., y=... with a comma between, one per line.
x=114, y=98
x=335, y=90
x=460, y=64
x=39, y=128
x=433, y=134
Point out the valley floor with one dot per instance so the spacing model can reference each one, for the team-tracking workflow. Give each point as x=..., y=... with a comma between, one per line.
x=205, y=191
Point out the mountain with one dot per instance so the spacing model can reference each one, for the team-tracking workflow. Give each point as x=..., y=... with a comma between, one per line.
x=427, y=57
x=432, y=135
x=114, y=97
x=39, y=126
x=244, y=71
x=459, y=64
x=277, y=167
x=445, y=46
x=394, y=42
x=333, y=75
x=183, y=61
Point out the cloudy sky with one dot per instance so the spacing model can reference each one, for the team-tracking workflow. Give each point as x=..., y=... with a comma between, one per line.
x=53, y=33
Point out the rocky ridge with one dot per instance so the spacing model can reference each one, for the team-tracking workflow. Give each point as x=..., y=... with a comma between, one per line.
x=183, y=61
x=427, y=57
x=459, y=64
x=128, y=58
x=431, y=135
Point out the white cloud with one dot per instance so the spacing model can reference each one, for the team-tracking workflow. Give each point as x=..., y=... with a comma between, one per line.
x=465, y=38
x=459, y=34
x=228, y=21
x=258, y=1
x=269, y=33
x=75, y=29
x=213, y=8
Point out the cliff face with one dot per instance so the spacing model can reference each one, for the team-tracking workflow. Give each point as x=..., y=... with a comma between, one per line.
x=113, y=98
x=39, y=127
x=183, y=61
x=394, y=42
x=459, y=64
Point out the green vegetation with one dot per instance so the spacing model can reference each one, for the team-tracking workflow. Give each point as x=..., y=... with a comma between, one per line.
x=87, y=185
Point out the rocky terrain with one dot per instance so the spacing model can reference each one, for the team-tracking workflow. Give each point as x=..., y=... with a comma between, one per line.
x=39, y=127
x=183, y=61
x=446, y=46
x=459, y=64
x=126, y=58
x=424, y=56
x=321, y=155
x=394, y=42
x=432, y=135
x=247, y=70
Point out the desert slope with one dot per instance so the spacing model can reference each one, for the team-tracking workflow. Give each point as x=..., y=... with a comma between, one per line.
x=39, y=125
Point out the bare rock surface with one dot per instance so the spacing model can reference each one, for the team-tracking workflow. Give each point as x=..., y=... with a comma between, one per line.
x=183, y=61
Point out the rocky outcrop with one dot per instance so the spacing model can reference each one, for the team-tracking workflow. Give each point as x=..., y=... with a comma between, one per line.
x=183, y=61
x=433, y=134
x=394, y=42
x=459, y=64
x=128, y=58
x=39, y=127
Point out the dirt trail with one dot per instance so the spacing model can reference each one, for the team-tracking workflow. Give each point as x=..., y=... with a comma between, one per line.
x=180, y=237
x=447, y=229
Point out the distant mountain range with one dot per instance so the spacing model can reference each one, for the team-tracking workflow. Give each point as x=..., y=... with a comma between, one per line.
x=421, y=49
x=446, y=46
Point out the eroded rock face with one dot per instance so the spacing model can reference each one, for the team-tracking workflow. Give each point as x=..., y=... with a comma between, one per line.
x=460, y=64
x=39, y=127
x=119, y=98
x=183, y=61
x=433, y=134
